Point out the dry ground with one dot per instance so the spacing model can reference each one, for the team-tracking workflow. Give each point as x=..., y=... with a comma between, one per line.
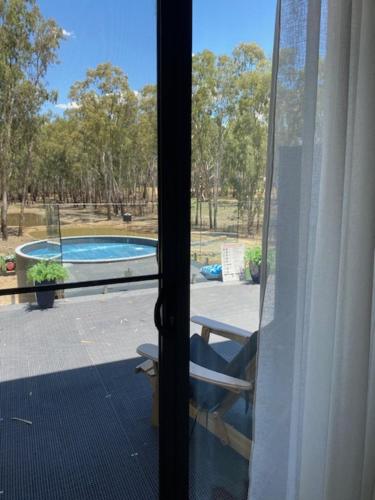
x=206, y=246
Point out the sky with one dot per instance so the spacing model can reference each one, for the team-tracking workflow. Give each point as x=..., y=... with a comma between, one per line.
x=123, y=32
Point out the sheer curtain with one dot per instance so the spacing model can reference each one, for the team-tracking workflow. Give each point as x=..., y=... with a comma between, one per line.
x=314, y=423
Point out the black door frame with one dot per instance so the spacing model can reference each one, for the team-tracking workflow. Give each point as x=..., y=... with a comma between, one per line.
x=172, y=312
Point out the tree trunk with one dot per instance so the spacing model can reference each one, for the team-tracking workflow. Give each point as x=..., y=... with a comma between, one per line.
x=216, y=192
x=5, y=168
x=22, y=212
x=250, y=215
x=197, y=210
x=4, y=213
x=145, y=192
x=107, y=185
x=24, y=189
x=218, y=175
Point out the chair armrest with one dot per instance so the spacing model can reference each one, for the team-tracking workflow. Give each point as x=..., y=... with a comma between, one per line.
x=150, y=351
x=198, y=372
x=223, y=329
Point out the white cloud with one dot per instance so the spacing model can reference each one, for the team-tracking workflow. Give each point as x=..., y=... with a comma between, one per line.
x=67, y=105
x=67, y=33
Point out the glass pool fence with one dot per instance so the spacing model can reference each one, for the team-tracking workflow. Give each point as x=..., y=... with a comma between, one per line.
x=95, y=241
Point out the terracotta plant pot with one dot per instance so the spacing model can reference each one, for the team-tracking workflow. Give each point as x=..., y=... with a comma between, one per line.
x=10, y=266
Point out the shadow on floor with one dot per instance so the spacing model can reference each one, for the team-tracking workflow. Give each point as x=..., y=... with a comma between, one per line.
x=90, y=438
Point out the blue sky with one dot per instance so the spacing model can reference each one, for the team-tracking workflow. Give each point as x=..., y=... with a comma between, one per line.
x=124, y=33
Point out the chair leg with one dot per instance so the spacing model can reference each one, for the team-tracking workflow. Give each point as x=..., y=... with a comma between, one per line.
x=205, y=333
x=222, y=433
x=240, y=443
x=150, y=369
x=228, y=435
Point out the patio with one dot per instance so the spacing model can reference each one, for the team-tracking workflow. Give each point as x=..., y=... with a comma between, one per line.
x=75, y=418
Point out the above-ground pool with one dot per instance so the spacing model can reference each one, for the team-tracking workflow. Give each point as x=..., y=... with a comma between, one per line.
x=89, y=258
x=90, y=249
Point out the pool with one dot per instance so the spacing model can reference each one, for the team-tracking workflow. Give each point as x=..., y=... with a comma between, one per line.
x=90, y=249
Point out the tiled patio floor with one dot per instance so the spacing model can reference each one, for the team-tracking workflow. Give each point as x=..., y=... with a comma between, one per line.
x=84, y=431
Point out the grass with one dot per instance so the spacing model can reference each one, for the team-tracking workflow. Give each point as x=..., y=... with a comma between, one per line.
x=206, y=246
x=227, y=213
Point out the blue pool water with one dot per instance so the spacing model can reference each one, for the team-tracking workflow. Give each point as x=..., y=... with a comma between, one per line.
x=92, y=250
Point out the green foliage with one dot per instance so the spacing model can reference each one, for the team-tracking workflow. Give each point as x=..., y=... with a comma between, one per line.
x=10, y=258
x=104, y=148
x=229, y=128
x=28, y=46
x=46, y=271
x=253, y=255
x=3, y=264
x=4, y=261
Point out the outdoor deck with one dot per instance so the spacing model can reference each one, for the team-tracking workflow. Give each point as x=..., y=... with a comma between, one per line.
x=70, y=372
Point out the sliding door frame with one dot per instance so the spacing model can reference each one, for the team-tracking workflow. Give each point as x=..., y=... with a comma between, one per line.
x=172, y=311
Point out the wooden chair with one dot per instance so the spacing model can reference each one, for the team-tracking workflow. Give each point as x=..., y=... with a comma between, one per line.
x=214, y=392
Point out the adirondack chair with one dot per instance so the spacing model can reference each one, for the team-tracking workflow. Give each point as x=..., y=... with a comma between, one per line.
x=218, y=387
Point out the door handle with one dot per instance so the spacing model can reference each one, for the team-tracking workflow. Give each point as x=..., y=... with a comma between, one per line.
x=157, y=312
x=159, y=320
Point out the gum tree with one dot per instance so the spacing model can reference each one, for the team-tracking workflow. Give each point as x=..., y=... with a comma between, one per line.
x=28, y=45
x=245, y=155
x=105, y=109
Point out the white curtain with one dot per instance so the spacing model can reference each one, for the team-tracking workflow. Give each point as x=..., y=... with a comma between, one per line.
x=314, y=423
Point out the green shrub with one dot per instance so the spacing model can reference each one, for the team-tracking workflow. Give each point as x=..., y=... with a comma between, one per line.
x=46, y=270
x=10, y=258
x=3, y=264
x=253, y=255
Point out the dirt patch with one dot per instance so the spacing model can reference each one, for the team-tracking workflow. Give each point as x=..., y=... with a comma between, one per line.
x=206, y=246
x=8, y=282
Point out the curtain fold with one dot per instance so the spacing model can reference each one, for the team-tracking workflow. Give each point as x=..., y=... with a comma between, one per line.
x=314, y=424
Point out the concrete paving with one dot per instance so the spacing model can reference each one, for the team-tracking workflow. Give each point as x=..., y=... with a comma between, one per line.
x=145, y=267
x=70, y=372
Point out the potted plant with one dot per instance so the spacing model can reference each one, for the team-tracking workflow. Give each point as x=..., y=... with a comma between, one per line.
x=46, y=272
x=253, y=256
x=10, y=263
x=7, y=264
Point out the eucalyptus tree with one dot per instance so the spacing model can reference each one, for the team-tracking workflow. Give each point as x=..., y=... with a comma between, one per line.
x=229, y=127
x=223, y=114
x=24, y=139
x=28, y=45
x=203, y=127
x=146, y=140
x=105, y=109
x=245, y=154
x=60, y=166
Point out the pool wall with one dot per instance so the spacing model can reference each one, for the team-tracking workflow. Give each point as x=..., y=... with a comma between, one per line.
x=82, y=270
